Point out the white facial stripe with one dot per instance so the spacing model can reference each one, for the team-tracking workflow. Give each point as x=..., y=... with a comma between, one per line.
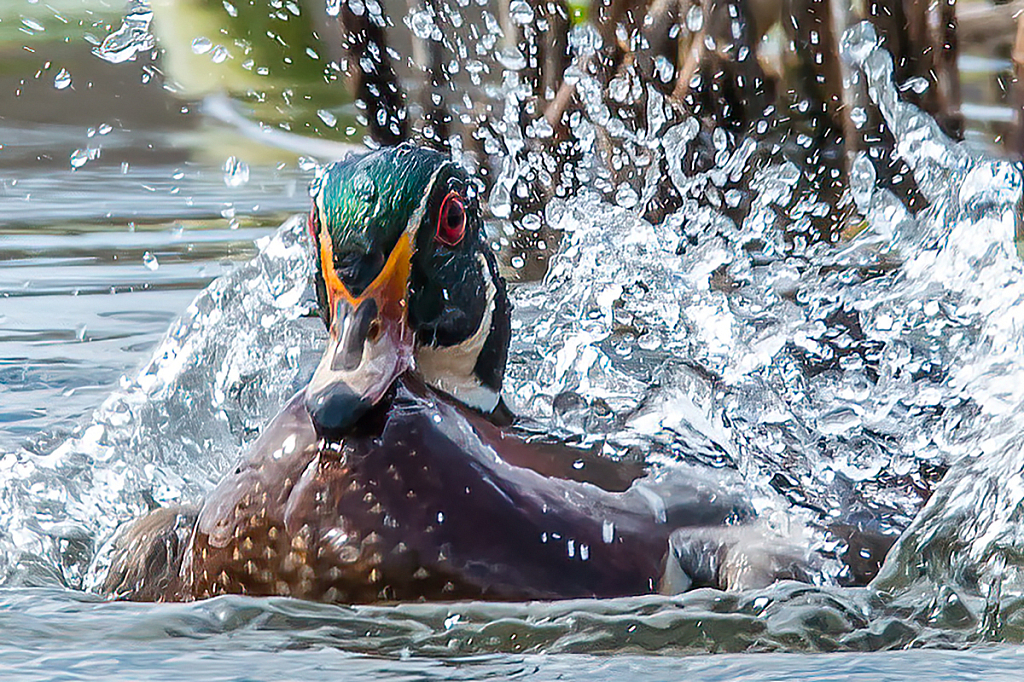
x=450, y=368
x=318, y=201
x=417, y=216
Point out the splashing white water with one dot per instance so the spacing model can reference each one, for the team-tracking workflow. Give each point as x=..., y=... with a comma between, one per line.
x=167, y=435
x=833, y=374
x=840, y=374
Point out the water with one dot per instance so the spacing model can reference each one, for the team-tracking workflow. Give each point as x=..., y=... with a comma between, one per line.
x=51, y=636
x=838, y=381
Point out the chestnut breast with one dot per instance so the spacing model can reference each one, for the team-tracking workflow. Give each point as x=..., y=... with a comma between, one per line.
x=416, y=505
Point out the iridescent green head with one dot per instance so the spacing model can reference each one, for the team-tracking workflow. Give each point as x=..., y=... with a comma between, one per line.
x=405, y=281
x=366, y=202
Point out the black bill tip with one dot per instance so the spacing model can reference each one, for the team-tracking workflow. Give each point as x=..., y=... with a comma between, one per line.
x=335, y=409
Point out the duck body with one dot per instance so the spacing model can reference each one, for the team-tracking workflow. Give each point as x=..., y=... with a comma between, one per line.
x=419, y=504
x=388, y=477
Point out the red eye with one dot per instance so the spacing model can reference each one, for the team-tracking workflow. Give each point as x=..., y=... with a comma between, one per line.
x=451, y=223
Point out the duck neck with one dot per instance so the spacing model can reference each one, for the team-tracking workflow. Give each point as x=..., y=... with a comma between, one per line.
x=453, y=369
x=471, y=371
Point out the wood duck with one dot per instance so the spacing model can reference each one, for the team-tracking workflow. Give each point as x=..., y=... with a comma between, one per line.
x=396, y=474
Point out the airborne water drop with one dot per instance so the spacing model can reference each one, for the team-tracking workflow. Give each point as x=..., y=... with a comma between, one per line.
x=236, y=172
x=62, y=80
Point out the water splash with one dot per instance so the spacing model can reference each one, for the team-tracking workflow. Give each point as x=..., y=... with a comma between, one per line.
x=967, y=539
x=845, y=378
x=838, y=379
x=167, y=434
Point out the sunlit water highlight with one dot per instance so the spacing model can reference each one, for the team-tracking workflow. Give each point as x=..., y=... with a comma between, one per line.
x=848, y=370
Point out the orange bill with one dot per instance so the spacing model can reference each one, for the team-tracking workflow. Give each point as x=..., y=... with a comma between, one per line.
x=370, y=343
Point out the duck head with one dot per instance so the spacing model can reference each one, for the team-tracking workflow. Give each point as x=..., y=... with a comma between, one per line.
x=405, y=282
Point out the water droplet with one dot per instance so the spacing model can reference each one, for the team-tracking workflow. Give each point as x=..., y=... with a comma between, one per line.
x=532, y=221
x=230, y=9
x=521, y=12
x=695, y=19
x=201, y=45
x=917, y=85
x=219, y=54
x=131, y=38
x=838, y=421
x=79, y=158
x=421, y=24
x=859, y=116
x=62, y=80
x=618, y=89
x=150, y=261
x=327, y=117
x=518, y=262
x=626, y=196
x=511, y=58
x=862, y=180
x=333, y=7
x=236, y=172
x=664, y=69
